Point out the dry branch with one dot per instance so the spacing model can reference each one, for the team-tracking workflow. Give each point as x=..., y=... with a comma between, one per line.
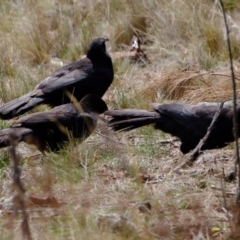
x=235, y=116
x=19, y=198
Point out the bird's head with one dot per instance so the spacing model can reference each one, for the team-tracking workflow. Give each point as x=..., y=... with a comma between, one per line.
x=93, y=103
x=96, y=48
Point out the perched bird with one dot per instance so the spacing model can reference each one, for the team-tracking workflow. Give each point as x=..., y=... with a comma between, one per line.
x=187, y=122
x=90, y=75
x=50, y=130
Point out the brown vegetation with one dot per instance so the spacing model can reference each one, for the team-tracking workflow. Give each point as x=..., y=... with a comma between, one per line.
x=97, y=190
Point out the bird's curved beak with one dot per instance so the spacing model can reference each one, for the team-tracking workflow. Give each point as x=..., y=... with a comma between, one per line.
x=106, y=39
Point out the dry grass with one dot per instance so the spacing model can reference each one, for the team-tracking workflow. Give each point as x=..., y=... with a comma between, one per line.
x=100, y=189
x=192, y=86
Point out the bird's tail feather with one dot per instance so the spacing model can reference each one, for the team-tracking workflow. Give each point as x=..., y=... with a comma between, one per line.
x=19, y=106
x=125, y=120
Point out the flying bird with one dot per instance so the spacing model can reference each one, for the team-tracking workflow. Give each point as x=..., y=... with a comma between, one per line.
x=90, y=75
x=50, y=130
x=187, y=122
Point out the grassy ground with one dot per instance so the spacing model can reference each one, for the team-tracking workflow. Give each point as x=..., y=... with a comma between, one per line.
x=122, y=186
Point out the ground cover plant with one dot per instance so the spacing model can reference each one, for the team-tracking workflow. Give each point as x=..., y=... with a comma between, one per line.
x=122, y=185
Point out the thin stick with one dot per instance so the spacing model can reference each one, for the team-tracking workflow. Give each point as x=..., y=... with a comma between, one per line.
x=19, y=203
x=223, y=75
x=235, y=117
x=192, y=155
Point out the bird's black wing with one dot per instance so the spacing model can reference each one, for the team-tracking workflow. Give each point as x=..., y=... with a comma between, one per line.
x=52, y=84
x=65, y=114
x=58, y=114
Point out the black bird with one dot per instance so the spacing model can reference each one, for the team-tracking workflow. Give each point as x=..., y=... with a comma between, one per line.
x=90, y=75
x=187, y=122
x=50, y=130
